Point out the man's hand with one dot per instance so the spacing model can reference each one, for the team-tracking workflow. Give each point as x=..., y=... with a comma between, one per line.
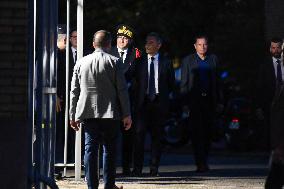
x=75, y=125
x=58, y=104
x=127, y=122
x=185, y=112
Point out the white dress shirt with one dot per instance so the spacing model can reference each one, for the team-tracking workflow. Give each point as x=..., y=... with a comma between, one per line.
x=156, y=68
x=124, y=53
x=74, y=52
x=275, y=66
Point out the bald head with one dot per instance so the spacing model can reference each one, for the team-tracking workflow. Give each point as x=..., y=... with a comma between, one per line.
x=102, y=39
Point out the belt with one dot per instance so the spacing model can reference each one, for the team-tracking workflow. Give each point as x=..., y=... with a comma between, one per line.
x=148, y=99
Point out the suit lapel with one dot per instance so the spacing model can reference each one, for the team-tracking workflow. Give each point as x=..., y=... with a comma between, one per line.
x=115, y=52
x=160, y=66
x=128, y=59
x=145, y=72
x=272, y=70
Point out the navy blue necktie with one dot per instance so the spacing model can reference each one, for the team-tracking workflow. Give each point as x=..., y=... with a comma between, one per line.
x=152, y=91
x=279, y=72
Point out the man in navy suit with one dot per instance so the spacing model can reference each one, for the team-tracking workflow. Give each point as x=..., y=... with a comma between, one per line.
x=129, y=57
x=271, y=72
x=155, y=81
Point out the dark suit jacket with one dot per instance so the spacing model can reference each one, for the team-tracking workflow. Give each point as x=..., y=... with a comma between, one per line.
x=61, y=72
x=266, y=84
x=129, y=64
x=188, y=76
x=166, y=82
x=277, y=118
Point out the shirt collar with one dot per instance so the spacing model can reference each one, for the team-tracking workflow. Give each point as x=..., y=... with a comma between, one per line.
x=156, y=56
x=199, y=59
x=73, y=50
x=275, y=59
x=121, y=50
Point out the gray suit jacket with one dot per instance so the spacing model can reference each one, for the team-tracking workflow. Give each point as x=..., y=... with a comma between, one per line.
x=98, y=88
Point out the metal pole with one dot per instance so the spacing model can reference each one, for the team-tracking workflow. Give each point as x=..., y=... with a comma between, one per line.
x=79, y=55
x=45, y=93
x=66, y=86
x=31, y=60
x=38, y=97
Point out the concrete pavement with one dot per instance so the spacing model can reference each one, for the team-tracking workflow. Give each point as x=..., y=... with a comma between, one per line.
x=230, y=171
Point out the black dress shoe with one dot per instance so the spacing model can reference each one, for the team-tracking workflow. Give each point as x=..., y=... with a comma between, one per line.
x=126, y=172
x=58, y=176
x=202, y=168
x=136, y=173
x=117, y=187
x=154, y=173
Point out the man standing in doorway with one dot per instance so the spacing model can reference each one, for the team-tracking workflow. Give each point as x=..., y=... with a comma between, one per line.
x=99, y=100
x=73, y=47
x=61, y=86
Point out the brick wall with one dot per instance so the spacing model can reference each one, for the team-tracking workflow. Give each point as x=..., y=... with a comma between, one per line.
x=13, y=64
x=274, y=12
x=13, y=94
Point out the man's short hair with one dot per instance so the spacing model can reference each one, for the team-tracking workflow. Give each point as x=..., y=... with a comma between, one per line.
x=276, y=40
x=61, y=29
x=73, y=30
x=102, y=38
x=200, y=36
x=156, y=36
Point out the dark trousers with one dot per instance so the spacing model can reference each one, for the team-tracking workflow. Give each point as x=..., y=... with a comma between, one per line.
x=60, y=139
x=201, y=120
x=275, y=178
x=127, y=148
x=100, y=132
x=150, y=118
x=59, y=134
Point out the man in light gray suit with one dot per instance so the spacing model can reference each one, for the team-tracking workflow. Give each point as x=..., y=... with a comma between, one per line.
x=98, y=101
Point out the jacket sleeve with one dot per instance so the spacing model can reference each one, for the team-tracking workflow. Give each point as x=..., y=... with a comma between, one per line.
x=122, y=91
x=74, y=92
x=184, y=77
x=171, y=77
x=219, y=83
x=259, y=87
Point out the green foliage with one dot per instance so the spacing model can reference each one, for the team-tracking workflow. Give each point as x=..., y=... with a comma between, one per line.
x=235, y=27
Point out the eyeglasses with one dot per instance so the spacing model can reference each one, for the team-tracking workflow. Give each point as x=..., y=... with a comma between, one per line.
x=73, y=36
